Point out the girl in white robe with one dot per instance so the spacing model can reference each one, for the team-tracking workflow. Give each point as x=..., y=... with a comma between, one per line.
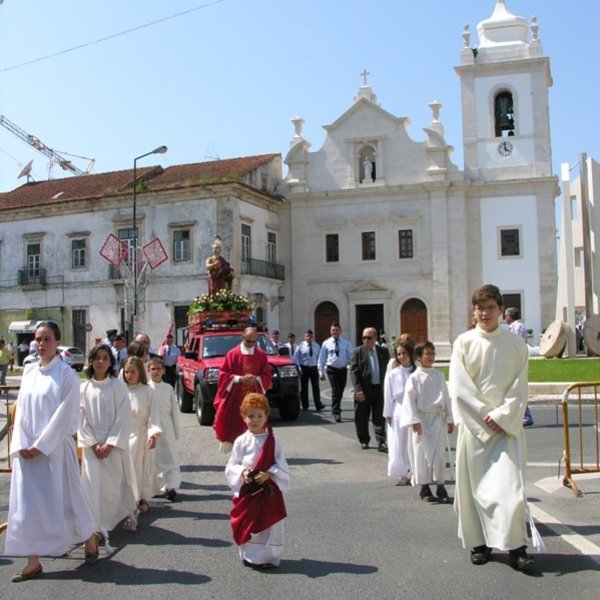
x=399, y=370
x=145, y=430
x=167, y=475
x=48, y=511
x=265, y=548
x=428, y=411
x=104, y=429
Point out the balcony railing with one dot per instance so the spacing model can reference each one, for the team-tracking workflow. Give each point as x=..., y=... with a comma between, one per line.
x=31, y=277
x=263, y=268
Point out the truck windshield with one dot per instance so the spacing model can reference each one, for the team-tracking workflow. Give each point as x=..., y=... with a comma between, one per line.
x=220, y=345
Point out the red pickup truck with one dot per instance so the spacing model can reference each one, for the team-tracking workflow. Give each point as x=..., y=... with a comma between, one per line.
x=198, y=372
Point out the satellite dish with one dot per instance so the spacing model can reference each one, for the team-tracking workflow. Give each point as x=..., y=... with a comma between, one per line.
x=26, y=170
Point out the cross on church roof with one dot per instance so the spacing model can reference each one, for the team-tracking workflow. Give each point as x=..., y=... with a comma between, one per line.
x=364, y=75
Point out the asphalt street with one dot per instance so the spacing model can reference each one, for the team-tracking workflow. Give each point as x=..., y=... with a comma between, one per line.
x=350, y=533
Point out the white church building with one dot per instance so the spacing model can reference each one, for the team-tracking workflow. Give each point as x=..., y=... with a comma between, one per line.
x=372, y=229
x=389, y=232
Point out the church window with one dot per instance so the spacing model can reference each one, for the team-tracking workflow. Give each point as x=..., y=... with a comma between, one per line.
x=574, y=208
x=504, y=114
x=368, y=245
x=332, y=247
x=510, y=242
x=578, y=256
x=405, y=243
x=513, y=300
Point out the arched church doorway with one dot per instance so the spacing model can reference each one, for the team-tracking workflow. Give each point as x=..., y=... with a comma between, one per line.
x=326, y=313
x=413, y=319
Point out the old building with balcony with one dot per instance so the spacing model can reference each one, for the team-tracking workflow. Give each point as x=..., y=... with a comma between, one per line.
x=52, y=234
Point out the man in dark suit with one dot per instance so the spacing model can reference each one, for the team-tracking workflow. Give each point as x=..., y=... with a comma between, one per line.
x=367, y=372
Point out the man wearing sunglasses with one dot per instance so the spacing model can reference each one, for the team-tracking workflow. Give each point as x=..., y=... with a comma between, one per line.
x=367, y=372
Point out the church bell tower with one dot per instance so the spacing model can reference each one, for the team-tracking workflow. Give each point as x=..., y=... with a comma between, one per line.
x=504, y=89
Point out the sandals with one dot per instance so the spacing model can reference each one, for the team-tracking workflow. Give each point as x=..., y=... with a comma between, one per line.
x=19, y=577
x=92, y=557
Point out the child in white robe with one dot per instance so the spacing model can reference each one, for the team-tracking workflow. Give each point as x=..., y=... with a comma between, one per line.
x=428, y=412
x=104, y=429
x=145, y=430
x=399, y=370
x=258, y=474
x=167, y=476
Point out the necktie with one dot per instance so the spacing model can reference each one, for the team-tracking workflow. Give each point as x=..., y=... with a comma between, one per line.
x=337, y=347
x=374, y=367
x=309, y=348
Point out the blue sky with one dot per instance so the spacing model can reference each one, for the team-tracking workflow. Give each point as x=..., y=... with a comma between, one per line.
x=224, y=80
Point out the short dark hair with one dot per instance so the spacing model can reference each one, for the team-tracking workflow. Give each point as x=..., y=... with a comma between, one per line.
x=420, y=348
x=487, y=292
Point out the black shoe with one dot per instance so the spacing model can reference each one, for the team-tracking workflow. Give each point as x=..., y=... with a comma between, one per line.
x=442, y=494
x=382, y=447
x=305, y=408
x=320, y=408
x=170, y=495
x=338, y=418
x=365, y=445
x=480, y=555
x=425, y=494
x=527, y=423
x=520, y=560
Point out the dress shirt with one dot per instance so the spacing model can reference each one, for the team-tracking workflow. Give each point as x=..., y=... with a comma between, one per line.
x=302, y=355
x=519, y=329
x=336, y=353
x=170, y=354
x=374, y=366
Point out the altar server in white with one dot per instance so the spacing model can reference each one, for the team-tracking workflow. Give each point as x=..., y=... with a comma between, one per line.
x=48, y=511
x=488, y=385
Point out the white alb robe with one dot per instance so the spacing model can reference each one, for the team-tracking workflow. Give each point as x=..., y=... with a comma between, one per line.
x=167, y=475
x=397, y=435
x=488, y=376
x=426, y=401
x=105, y=418
x=48, y=511
x=266, y=546
x=145, y=424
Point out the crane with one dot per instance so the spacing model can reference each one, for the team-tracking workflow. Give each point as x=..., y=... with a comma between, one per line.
x=53, y=155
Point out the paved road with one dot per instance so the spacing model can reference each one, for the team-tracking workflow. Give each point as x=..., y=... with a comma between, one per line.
x=350, y=532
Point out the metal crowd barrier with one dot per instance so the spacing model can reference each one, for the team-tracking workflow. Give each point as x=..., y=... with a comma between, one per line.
x=585, y=435
x=5, y=391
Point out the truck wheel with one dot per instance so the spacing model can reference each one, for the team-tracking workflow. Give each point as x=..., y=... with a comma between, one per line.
x=289, y=408
x=205, y=411
x=184, y=398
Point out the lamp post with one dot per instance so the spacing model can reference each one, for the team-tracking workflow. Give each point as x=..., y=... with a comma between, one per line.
x=159, y=150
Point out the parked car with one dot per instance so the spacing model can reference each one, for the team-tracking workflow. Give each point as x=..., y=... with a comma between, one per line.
x=72, y=355
x=198, y=372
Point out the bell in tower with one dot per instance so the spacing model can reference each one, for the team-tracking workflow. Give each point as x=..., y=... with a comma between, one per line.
x=504, y=115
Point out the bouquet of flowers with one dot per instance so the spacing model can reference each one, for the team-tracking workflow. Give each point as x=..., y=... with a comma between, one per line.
x=223, y=300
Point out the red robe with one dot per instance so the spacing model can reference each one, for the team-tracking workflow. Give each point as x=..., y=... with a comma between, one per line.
x=253, y=513
x=228, y=423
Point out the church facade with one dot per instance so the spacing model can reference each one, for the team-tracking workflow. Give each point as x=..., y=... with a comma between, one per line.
x=389, y=232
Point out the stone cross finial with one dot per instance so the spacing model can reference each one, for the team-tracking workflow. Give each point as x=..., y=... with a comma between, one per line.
x=364, y=75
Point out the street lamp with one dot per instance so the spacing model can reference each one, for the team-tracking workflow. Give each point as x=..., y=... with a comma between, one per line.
x=159, y=150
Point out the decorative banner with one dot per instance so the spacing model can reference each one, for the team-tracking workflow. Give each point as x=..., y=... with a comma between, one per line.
x=113, y=250
x=155, y=253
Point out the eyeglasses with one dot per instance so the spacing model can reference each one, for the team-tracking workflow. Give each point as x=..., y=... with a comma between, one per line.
x=367, y=337
x=480, y=308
